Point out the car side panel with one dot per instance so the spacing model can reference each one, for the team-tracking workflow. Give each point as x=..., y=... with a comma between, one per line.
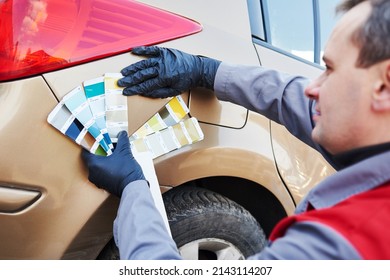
x=244, y=153
x=38, y=159
x=300, y=166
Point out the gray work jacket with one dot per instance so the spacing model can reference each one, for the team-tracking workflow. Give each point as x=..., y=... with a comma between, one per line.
x=139, y=230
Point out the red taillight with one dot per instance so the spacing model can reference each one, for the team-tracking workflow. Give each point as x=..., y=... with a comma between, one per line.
x=38, y=36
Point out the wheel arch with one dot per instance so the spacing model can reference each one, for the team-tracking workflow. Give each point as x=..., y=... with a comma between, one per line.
x=255, y=185
x=259, y=201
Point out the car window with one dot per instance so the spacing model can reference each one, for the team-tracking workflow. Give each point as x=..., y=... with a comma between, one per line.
x=328, y=19
x=299, y=28
x=291, y=27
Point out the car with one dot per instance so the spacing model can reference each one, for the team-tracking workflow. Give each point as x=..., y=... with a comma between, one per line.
x=223, y=195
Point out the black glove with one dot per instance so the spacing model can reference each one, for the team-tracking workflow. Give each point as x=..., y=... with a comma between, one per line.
x=113, y=173
x=168, y=72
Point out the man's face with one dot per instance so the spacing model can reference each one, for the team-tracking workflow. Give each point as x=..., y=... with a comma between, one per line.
x=342, y=92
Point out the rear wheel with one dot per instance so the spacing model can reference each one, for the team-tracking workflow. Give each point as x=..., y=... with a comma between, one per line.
x=207, y=225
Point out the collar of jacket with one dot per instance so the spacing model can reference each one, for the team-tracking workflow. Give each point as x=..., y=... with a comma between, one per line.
x=366, y=174
x=348, y=158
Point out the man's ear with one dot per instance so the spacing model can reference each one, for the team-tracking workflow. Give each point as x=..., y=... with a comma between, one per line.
x=380, y=100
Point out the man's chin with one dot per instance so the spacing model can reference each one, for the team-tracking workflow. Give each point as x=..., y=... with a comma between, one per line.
x=316, y=136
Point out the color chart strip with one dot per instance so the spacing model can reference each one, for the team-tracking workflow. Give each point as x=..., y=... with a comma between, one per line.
x=63, y=120
x=169, y=139
x=173, y=112
x=116, y=106
x=95, y=93
x=77, y=103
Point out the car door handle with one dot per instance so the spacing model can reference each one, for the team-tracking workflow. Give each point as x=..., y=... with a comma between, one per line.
x=14, y=200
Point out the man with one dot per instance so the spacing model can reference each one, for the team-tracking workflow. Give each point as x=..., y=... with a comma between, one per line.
x=347, y=115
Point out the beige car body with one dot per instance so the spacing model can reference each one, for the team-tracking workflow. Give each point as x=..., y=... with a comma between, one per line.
x=49, y=209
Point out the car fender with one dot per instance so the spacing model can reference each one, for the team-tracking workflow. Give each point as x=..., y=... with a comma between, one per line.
x=222, y=154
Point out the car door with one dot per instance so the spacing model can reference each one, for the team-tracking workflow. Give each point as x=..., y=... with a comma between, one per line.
x=291, y=39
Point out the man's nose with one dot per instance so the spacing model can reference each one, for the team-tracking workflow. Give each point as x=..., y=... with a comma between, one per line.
x=312, y=90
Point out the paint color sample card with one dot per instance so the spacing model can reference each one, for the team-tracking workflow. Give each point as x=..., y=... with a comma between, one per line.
x=116, y=106
x=95, y=93
x=145, y=160
x=173, y=112
x=63, y=120
x=169, y=139
x=93, y=114
x=177, y=110
x=77, y=103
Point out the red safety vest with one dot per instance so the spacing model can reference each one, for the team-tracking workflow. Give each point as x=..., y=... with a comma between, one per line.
x=363, y=219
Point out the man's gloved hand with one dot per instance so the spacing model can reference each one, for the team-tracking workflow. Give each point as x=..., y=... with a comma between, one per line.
x=167, y=72
x=113, y=173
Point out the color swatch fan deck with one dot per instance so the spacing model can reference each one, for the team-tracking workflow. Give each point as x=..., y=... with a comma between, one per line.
x=95, y=112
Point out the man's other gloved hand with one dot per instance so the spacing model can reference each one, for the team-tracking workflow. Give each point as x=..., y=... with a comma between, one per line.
x=113, y=173
x=167, y=72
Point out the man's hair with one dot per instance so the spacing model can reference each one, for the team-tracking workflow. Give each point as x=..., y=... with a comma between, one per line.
x=373, y=36
x=346, y=5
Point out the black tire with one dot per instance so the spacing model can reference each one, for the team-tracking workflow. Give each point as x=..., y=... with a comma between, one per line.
x=205, y=218
x=196, y=215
